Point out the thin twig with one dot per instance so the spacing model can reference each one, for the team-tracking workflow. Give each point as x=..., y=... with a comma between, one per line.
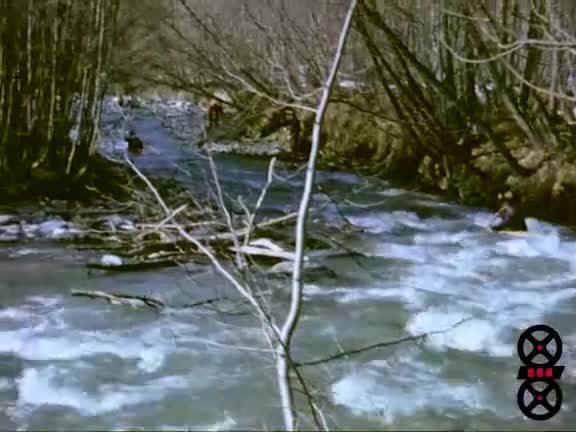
x=347, y=353
x=240, y=259
x=269, y=180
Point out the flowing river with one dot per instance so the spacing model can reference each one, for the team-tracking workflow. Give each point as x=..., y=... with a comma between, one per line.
x=421, y=265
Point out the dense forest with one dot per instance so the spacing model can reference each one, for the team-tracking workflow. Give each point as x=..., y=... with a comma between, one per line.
x=469, y=99
x=54, y=58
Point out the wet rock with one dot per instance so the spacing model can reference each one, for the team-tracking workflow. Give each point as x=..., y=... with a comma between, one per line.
x=55, y=229
x=12, y=232
x=249, y=149
x=51, y=228
x=126, y=225
x=6, y=219
x=111, y=261
x=118, y=223
x=114, y=223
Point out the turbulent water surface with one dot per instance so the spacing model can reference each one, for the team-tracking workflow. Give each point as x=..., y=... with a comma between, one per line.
x=421, y=265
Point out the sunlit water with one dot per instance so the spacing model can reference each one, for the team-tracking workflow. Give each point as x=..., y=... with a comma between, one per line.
x=422, y=265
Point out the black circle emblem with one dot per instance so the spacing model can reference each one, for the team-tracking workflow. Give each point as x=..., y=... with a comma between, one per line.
x=539, y=346
x=539, y=398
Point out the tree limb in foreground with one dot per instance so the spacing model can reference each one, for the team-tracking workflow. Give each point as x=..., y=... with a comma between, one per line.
x=385, y=344
x=287, y=331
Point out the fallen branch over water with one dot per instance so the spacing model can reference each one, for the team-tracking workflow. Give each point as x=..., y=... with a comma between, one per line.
x=124, y=299
x=173, y=251
x=140, y=300
x=245, y=231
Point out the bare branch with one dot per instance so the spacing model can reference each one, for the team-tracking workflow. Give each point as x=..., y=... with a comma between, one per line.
x=240, y=260
x=291, y=322
x=275, y=101
x=269, y=180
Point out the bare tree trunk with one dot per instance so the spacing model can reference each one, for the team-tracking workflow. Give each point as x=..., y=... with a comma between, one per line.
x=53, y=80
x=29, y=67
x=291, y=322
x=57, y=49
x=534, y=55
x=554, y=64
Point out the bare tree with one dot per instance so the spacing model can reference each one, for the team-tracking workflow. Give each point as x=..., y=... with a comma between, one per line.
x=280, y=337
x=291, y=322
x=54, y=56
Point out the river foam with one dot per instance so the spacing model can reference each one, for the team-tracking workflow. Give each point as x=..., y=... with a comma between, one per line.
x=50, y=386
x=387, y=388
x=428, y=267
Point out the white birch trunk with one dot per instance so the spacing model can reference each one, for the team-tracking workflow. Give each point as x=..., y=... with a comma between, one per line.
x=287, y=331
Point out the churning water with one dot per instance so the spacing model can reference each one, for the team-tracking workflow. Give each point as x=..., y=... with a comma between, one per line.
x=420, y=265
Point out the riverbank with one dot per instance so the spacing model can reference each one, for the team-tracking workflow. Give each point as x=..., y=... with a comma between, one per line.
x=137, y=234
x=544, y=188
x=472, y=168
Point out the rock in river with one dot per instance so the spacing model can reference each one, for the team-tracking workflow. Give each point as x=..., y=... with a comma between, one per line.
x=7, y=219
x=111, y=261
x=57, y=229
